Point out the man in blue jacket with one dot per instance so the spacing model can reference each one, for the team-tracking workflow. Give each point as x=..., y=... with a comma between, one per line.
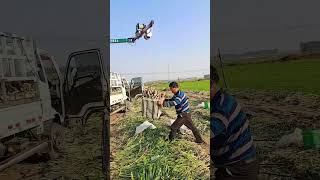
x=231, y=143
x=181, y=103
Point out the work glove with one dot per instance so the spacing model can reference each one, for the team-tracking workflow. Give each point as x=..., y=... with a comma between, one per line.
x=161, y=100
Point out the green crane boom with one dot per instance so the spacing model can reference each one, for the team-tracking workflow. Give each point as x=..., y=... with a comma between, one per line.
x=141, y=30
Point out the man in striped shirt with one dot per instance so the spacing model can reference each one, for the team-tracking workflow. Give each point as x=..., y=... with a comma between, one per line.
x=232, y=150
x=181, y=103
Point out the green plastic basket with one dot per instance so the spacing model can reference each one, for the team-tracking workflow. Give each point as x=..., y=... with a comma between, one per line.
x=207, y=105
x=311, y=139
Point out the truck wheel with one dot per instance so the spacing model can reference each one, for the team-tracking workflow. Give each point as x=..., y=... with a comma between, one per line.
x=57, y=136
x=128, y=106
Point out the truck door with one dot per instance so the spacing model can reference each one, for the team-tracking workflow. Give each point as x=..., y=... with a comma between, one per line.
x=84, y=84
x=136, y=87
x=54, y=82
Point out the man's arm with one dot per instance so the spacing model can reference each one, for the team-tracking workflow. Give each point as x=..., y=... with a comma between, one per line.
x=218, y=124
x=171, y=102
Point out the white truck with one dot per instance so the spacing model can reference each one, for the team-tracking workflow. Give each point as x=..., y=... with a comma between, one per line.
x=34, y=100
x=121, y=91
x=118, y=93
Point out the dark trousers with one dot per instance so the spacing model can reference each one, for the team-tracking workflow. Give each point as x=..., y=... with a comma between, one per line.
x=184, y=119
x=239, y=171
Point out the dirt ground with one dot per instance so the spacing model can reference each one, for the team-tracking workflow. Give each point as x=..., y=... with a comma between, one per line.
x=116, y=141
x=80, y=157
x=273, y=115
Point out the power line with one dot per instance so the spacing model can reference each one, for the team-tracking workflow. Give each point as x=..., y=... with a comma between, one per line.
x=153, y=73
x=269, y=29
x=98, y=39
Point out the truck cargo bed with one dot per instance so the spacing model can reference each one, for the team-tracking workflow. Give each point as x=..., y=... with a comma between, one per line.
x=17, y=92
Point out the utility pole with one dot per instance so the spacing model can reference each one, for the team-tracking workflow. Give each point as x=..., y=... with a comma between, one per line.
x=168, y=72
x=221, y=65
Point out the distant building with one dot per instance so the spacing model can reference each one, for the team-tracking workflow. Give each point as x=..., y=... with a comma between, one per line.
x=311, y=47
x=261, y=53
x=252, y=54
x=207, y=76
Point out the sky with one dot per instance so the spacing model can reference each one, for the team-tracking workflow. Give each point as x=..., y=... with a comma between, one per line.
x=58, y=26
x=180, y=41
x=247, y=25
x=181, y=34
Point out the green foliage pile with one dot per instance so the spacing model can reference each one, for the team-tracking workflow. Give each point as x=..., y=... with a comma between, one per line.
x=150, y=155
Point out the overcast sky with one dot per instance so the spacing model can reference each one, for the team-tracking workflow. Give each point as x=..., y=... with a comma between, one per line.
x=181, y=38
x=264, y=24
x=59, y=26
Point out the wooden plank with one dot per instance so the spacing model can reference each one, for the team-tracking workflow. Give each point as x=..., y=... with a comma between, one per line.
x=155, y=110
x=118, y=110
x=150, y=108
x=24, y=155
x=144, y=108
x=4, y=91
x=20, y=79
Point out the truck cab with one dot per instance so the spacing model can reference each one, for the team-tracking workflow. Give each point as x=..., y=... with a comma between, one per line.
x=136, y=87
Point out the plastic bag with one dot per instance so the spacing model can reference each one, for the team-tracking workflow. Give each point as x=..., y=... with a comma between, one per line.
x=145, y=125
x=183, y=128
x=293, y=139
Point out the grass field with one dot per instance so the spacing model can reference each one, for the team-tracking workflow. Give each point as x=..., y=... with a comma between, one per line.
x=297, y=76
x=291, y=76
x=201, y=85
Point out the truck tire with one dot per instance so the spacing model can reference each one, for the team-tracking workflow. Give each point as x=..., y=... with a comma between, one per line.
x=128, y=106
x=57, y=136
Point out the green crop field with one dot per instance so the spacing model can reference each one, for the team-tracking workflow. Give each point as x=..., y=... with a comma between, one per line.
x=294, y=76
x=201, y=85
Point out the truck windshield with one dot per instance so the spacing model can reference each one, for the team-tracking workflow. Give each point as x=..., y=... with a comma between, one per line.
x=136, y=81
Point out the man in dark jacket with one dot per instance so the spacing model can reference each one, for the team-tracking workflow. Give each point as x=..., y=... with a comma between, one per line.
x=181, y=103
x=231, y=143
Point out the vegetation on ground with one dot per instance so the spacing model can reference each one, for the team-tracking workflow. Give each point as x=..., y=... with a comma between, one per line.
x=197, y=85
x=150, y=155
x=294, y=76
